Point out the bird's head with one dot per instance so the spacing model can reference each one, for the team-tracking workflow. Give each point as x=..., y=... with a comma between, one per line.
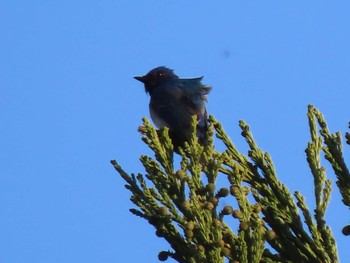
x=156, y=77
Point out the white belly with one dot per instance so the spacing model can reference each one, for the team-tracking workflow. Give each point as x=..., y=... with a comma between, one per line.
x=156, y=119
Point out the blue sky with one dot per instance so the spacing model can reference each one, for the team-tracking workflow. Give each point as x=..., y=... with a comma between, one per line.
x=69, y=104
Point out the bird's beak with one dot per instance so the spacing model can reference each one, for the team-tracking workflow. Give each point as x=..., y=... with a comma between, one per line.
x=142, y=78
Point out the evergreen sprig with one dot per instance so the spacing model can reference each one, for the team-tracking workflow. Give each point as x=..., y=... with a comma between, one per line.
x=186, y=205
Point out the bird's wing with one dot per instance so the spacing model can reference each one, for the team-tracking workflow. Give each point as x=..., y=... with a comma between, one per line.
x=194, y=87
x=175, y=108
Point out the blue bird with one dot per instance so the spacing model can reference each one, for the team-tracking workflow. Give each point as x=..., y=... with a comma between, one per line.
x=174, y=101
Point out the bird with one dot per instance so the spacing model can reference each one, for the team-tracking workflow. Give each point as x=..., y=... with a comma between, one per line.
x=173, y=102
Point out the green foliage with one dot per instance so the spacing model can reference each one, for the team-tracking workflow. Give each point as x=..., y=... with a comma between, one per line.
x=186, y=206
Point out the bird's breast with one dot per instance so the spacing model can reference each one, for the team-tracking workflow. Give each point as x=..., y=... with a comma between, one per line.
x=159, y=122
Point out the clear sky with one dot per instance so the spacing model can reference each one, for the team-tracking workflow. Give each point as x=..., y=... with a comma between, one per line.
x=69, y=105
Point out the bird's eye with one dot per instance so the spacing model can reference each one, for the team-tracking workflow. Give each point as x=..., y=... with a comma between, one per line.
x=160, y=74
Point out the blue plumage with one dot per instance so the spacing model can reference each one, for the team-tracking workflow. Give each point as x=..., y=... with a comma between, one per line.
x=174, y=101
